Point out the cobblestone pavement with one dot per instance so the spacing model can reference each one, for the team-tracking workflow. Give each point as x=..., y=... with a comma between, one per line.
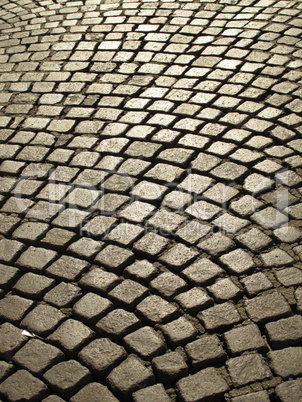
x=150, y=200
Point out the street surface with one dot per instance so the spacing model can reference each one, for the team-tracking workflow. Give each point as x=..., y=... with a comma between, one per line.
x=150, y=196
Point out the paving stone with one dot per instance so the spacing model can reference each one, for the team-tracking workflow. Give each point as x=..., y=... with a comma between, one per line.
x=125, y=234
x=288, y=234
x=93, y=392
x=13, y=308
x=224, y=289
x=10, y=249
x=101, y=355
x=66, y=376
x=63, y=295
x=92, y=307
x=289, y=391
x=284, y=332
x=151, y=244
x=248, y=369
x=205, y=384
x=168, y=285
x=118, y=323
x=216, y=244
x=5, y=370
x=220, y=317
x=23, y=385
x=148, y=191
x=238, y=261
x=256, y=283
x=205, y=351
x=8, y=276
x=276, y=257
x=37, y=356
x=67, y=268
x=141, y=271
x=156, y=310
x=244, y=338
x=261, y=396
x=194, y=300
x=170, y=366
x=98, y=280
x=154, y=392
x=179, y=256
x=36, y=258
x=43, y=319
x=11, y=340
x=115, y=258
x=202, y=272
x=164, y=173
x=289, y=276
x=286, y=362
x=128, y=293
x=266, y=307
x=71, y=335
x=145, y=342
x=179, y=332
x=255, y=239
x=130, y=376
x=98, y=225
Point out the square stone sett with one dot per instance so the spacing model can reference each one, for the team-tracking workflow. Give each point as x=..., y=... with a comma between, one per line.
x=7, y=224
x=151, y=245
x=230, y=223
x=145, y=342
x=176, y=155
x=203, y=210
x=261, y=396
x=58, y=237
x=118, y=323
x=179, y=332
x=128, y=293
x=137, y=211
x=289, y=391
x=170, y=367
x=10, y=249
x=205, y=351
x=85, y=247
x=141, y=149
x=237, y=262
x=37, y=356
x=154, y=393
x=164, y=173
x=289, y=276
x=285, y=332
x=91, y=307
x=220, y=317
x=23, y=386
x=225, y=289
x=71, y=335
x=100, y=281
x=267, y=307
x=193, y=231
x=288, y=234
x=13, y=308
x=141, y=271
x=216, y=244
x=124, y=234
x=255, y=239
x=115, y=258
x=148, y=191
x=256, y=283
x=179, y=256
x=63, y=295
x=98, y=225
x=33, y=285
x=5, y=370
x=269, y=218
x=93, y=391
x=248, y=369
x=134, y=167
x=8, y=276
x=168, y=285
x=156, y=310
x=205, y=385
x=67, y=268
x=11, y=339
x=194, y=300
x=32, y=231
x=66, y=376
x=245, y=338
x=43, y=319
x=195, y=183
x=102, y=355
x=118, y=183
x=130, y=376
x=229, y=171
x=43, y=211
x=202, y=272
x=286, y=362
x=36, y=258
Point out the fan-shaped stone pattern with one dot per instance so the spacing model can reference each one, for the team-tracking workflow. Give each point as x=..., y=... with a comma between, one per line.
x=149, y=149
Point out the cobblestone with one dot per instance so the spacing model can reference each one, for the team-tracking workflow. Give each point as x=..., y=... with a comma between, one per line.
x=150, y=191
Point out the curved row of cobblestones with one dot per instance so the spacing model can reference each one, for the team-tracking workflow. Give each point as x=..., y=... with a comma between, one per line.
x=150, y=182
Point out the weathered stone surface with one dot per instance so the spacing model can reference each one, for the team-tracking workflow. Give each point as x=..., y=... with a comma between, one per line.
x=287, y=362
